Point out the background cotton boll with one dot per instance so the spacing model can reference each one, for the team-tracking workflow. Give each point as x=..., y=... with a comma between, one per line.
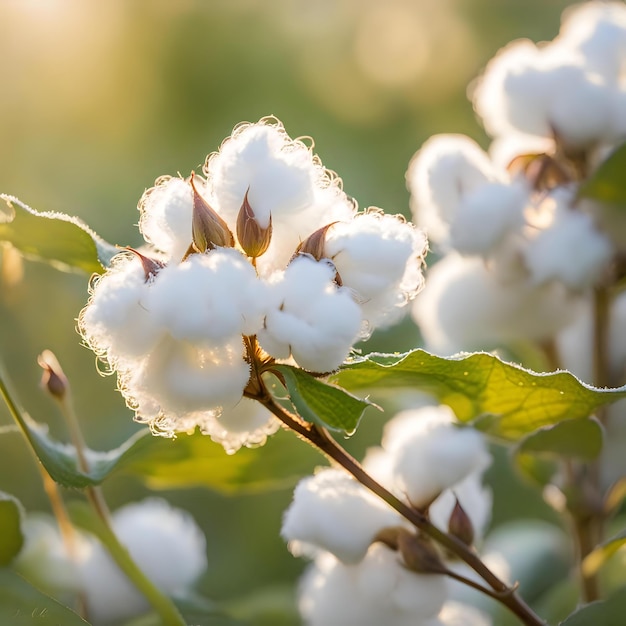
x=575, y=342
x=115, y=323
x=571, y=249
x=379, y=257
x=209, y=297
x=486, y=215
x=504, y=148
x=181, y=378
x=512, y=94
x=248, y=424
x=440, y=174
x=314, y=321
x=331, y=511
x=464, y=306
x=166, y=212
x=165, y=543
x=44, y=560
x=436, y=459
x=383, y=581
x=597, y=31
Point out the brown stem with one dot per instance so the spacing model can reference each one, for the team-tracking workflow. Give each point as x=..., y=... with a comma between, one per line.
x=320, y=438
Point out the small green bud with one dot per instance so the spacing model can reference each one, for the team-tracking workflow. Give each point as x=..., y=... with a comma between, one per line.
x=208, y=229
x=253, y=238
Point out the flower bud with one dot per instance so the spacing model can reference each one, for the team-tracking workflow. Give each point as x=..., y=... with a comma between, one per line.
x=208, y=229
x=151, y=267
x=53, y=379
x=419, y=554
x=460, y=525
x=315, y=244
x=253, y=238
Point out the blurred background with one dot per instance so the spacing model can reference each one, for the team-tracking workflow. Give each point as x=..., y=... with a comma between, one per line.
x=97, y=99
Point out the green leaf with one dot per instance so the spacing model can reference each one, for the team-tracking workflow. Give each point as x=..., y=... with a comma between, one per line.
x=23, y=605
x=607, y=183
x=320, y=403
x=579, y=439
x=504, y=400
x=609, y=612
x=600, y=555
x=196, y=461
x=11, y=537
x=61, y=240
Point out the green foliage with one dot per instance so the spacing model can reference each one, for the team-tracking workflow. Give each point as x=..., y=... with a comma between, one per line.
x=598, y=557
x=577, y=439
x=23, y=605
x=63, y=241
x=195, y=460
x=607, y=182
x=502, y=399
x=321, y=403
x=11, y=537
x=609, y=612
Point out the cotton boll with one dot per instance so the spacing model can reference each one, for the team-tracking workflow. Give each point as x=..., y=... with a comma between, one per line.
x=436, y=457
x=377, y=591
x=378, y=257
x=314, y=321
x=505, y=148
x=487, y=215
x=331, y=511
x=384, y=581
x=209, y=297
x=248, y=424
x=179, y=378
x=166, y=212
x=570, y=249
x=163, y=541
x=440, y=175
x=115, y=324
x=465, y=306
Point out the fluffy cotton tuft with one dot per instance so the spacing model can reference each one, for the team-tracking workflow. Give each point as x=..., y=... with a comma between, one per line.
x=331, y=511
x=166, y=211
x=246, y=424
x=195, y=301
x=115, y=323
x=379, y=257
x=313, y=320
x=178, y=379
x=434, y=455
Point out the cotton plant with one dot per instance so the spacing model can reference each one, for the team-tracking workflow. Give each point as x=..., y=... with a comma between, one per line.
x=247, y=308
